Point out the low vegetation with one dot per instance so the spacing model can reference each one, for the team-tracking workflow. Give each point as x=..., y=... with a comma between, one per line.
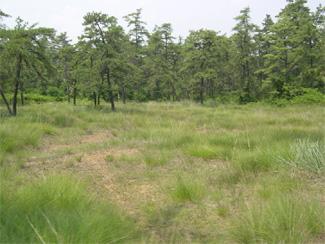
x=163, y=172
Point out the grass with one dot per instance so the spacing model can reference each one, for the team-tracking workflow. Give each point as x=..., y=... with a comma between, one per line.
x=308, y=155
x=284, y=219
x=179, y=172
x=187, y=190
x=58, y=209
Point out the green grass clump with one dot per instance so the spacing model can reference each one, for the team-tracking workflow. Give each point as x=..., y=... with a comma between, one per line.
x=157, y=158
x=308, y=155
x=255, y=161
x=58, y=210
x=17, y=136
x=187, y=190
x=282, y=220
x=202, y=151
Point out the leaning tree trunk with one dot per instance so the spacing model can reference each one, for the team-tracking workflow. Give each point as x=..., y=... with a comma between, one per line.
x=5, y=100
x=17, y=82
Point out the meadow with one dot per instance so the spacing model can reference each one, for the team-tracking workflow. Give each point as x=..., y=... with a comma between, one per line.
x=163, y=173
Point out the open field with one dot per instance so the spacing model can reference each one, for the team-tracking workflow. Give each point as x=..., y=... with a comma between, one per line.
x=163, y=172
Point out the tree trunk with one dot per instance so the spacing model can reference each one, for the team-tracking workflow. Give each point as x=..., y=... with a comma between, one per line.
x=69, y=100
x=123, y=94
x=95, y=98
x=98, y=99
x=110, y=91
x=74, y=96
x=5, y=100
x=17, y=82
x=201, y=90
x=22, y=99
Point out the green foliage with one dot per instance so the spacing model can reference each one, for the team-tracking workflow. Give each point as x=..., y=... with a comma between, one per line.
x=277, y=61
x=310, y=96
x=58, y=209
x=38, y=98
x=299, y=96
x=55, y=92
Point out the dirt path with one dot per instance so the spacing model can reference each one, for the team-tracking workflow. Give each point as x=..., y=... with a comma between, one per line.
x=86, y=157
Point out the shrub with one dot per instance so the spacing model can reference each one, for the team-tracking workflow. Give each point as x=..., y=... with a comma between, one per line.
x=34, y=97
x=310, y=96
x=55, y=92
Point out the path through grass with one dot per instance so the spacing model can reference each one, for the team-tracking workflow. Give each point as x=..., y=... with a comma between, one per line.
x=159, y=172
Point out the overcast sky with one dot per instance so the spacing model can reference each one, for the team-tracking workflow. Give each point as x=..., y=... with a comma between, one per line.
x=185, y=15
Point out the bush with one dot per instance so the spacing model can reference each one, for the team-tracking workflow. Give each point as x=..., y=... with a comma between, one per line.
x=34, y=97
x=55, y=92
x=299, y=96
x=310, y=96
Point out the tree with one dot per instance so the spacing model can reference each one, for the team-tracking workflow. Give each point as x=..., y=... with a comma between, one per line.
x=138, y=35
x=295, y=54
x=200, y=60
x=161, y=55
x=103, y=32
x=25, y=46
x=243, y=38
x=263, y=41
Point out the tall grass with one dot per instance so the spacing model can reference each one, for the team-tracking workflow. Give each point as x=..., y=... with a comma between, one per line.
x=232, y=150
x=308, y=155
x=282, y=220
x=58, y=209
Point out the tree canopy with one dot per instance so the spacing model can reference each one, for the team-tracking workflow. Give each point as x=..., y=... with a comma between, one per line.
x=282, y=56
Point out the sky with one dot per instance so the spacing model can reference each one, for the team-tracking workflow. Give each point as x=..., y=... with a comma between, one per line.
x=184, y=15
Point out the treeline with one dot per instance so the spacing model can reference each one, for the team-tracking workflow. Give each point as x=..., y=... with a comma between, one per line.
x=277, y=59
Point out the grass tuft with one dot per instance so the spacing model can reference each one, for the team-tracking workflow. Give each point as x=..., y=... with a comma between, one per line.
x=187, y=190
x=282, y=220
x=308, y=155
x=58, y=209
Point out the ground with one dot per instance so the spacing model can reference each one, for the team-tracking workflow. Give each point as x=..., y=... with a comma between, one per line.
x=182, y=172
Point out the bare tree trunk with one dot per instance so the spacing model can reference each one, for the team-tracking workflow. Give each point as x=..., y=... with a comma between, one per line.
x=95, y=98
x=110, y=91
x=98, y=99
x=74, y=93
x=201, y=90
x=69, y=94
x=123, y=94
x=17, y=81
x=5, y=100
x=22, y=99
